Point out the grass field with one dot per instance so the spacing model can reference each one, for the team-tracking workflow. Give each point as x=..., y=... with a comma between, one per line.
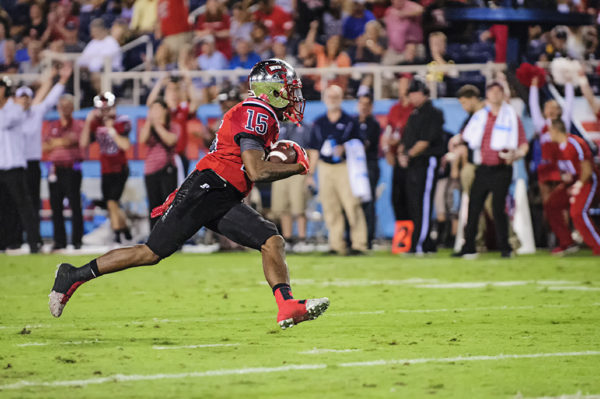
x=203, y=326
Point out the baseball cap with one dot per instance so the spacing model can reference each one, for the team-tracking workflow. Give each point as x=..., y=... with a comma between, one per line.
x=24, y=91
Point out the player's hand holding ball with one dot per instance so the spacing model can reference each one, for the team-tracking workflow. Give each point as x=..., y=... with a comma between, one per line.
x=288, y=152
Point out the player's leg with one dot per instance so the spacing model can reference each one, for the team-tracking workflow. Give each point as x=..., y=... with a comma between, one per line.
x=556, y=203
x=579, y=211
x=247, y=227
x=198, y=201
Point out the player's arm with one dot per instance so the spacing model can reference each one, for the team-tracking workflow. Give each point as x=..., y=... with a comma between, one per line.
x=259, y=170
x=84, y=140
x=122, y=141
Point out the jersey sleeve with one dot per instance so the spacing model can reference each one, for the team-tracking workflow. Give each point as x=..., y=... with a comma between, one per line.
x=123, y=125
x=256, y=121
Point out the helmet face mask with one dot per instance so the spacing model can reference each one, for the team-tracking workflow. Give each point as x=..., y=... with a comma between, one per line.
x=276, y=82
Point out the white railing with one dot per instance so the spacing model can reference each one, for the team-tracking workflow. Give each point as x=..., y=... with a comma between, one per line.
x=382, y=75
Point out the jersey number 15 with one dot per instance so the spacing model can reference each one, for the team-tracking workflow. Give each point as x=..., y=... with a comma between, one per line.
x=257, y=122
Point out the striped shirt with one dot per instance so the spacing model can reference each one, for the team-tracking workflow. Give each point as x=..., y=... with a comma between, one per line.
x=64, y=155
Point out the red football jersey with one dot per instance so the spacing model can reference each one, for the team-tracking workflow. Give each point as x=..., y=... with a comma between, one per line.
x=571, y=154
x=250, y=118
x=112, y=158
x=548, y=168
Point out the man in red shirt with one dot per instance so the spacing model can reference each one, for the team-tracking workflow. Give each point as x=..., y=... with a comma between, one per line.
x=61, y=146
x=211, y=196
x=174, y=26
x=577, y=192
x=277, y=21
x=396, y=120
x=111, y=132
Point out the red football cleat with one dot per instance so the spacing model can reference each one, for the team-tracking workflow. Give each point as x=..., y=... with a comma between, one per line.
x=292, y=311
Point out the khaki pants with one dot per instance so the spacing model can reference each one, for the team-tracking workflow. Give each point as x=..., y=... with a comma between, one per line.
x=336, y=195
x=289, y=196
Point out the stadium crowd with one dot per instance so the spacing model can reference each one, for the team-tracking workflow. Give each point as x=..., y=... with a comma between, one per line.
x=429, y=167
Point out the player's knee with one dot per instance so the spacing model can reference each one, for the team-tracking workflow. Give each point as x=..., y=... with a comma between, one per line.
x=275, y=243
x=147, y=256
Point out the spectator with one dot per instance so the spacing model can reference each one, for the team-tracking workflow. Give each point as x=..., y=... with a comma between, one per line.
x=333, y=19
x=276, y=19
x=211, y=58
x=160, y=172
x=439, y=57
x=370, y=46
x=499, y=34
x=354, y=24
x=10, y=65
x=261, y=42
x=280, y=50
x=174, y=27
x=289, y=196
x=72, y=44
x=494, y=151
x=403, y=24
x=179, y=96
x=369, y=130
x=308, y=59
x=3, y=38
x=396, y=121
x=326, y=149
x=101, y=46
x=215, y=23
x=127, y=11
x=244, y=57
x=557, y=46
x=576, y=193
x=58, y=20
x=12, y=169
x=111, y=132
x=144, y=18
x=241, y=23
x=97, y=9
x=330, y=55
x=31, y=128
x=37, y=22
x=61, y=145
x=421, y=145
x=119, y=32
x=308, y=10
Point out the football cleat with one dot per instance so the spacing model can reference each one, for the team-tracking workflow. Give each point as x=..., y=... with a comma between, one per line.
x=64, y=286
x=293, y=311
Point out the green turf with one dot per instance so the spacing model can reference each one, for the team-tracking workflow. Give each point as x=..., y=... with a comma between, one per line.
x=381, y=309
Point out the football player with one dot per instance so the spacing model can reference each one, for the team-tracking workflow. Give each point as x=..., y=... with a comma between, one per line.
x=211, y=196
x=111, y=132
x=578, y=190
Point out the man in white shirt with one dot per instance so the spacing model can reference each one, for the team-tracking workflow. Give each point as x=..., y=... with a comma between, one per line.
x=35, y=109
x=101, y=46
x=12, y=169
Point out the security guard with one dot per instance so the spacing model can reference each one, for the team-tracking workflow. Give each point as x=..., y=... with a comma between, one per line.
x=421, y=146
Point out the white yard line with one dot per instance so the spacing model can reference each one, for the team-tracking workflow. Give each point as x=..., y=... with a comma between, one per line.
x=95, y=341
x=192, y=346
x=268, y=370
x=578, y=395
x=573, y=288
x=317, y=351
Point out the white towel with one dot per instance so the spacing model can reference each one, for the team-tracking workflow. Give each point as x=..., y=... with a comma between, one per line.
x=505, y=134
x=356, y=160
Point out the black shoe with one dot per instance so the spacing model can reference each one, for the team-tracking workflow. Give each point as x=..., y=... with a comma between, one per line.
x=36, y=248
x=355, y=252
x=507, y=254
x=465, y=255
x=64, y=286
x=77, y=246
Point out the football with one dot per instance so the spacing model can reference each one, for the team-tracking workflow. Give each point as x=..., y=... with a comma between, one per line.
x=282, y=151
